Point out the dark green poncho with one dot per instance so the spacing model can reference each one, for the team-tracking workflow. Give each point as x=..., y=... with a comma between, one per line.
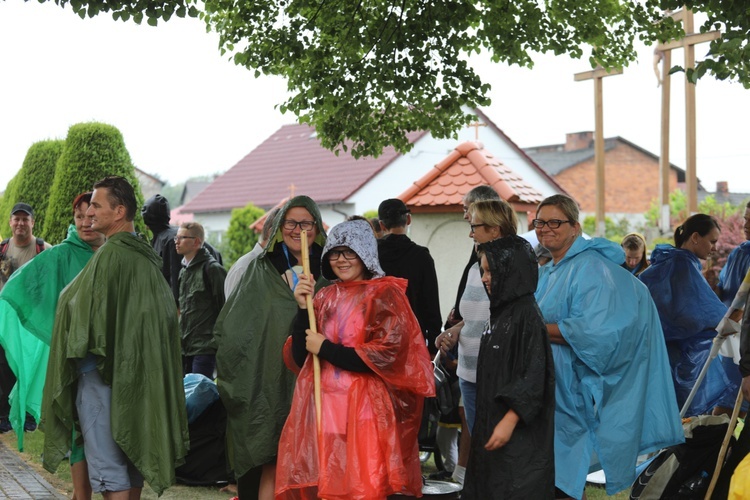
x=255, y=385
x=121, y=309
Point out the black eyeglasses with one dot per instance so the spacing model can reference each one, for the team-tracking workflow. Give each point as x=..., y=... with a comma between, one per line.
x=552, y=223
x=305, y=225
x=348, y=254
x=179, y=238
x=475, y=226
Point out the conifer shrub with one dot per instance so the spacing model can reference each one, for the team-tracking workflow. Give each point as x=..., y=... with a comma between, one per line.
x=32, y=184
x=92, y=151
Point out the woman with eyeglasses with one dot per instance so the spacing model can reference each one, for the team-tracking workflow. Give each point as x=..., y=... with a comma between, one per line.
x=255, y=386
x=614, y=397
x=375, y=372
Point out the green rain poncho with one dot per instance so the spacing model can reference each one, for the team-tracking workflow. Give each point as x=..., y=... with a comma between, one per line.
x=255, y=385
x=27, y=312
x=122, y=310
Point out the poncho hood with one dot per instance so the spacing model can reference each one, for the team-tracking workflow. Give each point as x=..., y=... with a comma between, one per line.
x=357, y=235
x=156, y=213
x=298, y=201
x=514, y=269
x=607, y=249
x=665, y=252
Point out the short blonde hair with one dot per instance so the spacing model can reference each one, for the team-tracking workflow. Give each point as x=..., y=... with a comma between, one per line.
x=195, y=229
x=497, y=213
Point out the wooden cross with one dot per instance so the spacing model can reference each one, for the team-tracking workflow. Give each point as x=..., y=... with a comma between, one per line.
x=476, y=126
x=688, y=43
x=597, y=75
x=291, y=191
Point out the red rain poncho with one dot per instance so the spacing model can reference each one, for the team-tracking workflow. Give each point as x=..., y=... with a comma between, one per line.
x=370, y=420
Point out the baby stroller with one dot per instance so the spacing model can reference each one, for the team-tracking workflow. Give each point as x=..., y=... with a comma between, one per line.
x=445, y=401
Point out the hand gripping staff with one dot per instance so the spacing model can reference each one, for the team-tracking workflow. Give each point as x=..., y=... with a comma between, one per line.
x=314, y=328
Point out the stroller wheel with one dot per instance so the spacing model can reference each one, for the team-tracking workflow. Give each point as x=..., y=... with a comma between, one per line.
x=424, y=456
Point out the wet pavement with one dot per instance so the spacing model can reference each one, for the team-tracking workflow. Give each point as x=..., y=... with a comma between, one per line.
x=18, y=480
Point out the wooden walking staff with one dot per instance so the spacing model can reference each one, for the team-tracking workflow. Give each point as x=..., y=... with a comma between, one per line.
x=314, y=328
x=725, y=444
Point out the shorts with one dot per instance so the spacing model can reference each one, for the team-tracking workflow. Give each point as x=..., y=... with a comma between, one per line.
x=109, y=469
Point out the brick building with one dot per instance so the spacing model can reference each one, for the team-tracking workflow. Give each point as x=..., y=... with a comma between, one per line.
x=631, y=173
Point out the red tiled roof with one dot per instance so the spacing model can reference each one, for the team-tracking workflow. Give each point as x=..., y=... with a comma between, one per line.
x=291, y=156
x=466, y=167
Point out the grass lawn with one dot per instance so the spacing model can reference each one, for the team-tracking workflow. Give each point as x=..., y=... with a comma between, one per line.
x=32, y=454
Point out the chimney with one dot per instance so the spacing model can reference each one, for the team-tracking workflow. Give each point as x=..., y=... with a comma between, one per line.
x=579, y=140
x=722, y=187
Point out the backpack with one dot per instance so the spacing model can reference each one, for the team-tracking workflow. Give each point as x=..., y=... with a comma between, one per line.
x=4, y=246
x=684, y=471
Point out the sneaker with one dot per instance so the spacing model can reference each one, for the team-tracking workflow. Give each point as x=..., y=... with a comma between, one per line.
x=5, y=425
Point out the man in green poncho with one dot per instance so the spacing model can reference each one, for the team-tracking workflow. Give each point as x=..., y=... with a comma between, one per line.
x=255, y=386
x=114, y=365
x=27, y=313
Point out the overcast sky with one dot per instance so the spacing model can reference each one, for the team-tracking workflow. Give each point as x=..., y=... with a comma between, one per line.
x=185, y=110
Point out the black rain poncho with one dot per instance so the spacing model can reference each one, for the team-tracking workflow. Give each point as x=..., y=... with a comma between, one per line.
x=515, y=371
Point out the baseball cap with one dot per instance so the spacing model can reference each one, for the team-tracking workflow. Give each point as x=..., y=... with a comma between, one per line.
x=391, y=208
x=22, y=207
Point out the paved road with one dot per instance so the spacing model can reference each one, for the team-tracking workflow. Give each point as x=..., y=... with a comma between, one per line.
x=19, y=481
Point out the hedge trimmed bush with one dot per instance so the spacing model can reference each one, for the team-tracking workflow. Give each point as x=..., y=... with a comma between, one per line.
x=33, y=183
x=241, y=239
x=6, y=206
x=92, y=151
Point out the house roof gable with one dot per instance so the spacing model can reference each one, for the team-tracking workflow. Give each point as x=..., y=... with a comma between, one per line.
x=273, y=170
x=468, y=166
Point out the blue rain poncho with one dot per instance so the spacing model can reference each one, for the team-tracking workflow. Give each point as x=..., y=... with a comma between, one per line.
x=730, y=279
x=732, y=274
x=613, y=396
x=689, y=312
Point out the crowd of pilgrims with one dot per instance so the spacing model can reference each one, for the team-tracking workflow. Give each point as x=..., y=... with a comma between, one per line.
x=573, y=355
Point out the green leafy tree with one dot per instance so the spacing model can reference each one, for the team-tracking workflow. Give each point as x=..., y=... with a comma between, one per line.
x=678, y=210
x=92, y=151
x=614, y=231
x=241, y=239
x=365, y=74
x=32, y=183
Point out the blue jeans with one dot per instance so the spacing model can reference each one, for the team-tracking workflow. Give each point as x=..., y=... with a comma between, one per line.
x=469, y=395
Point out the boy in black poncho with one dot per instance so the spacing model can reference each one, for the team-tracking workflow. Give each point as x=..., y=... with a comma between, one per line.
x=512, y=443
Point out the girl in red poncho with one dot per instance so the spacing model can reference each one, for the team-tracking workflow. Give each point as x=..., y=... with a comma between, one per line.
x=375, y=372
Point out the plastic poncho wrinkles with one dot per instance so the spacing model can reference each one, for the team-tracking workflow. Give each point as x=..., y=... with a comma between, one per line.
x=254, y=384
x=138, y=354
x=200, y=303
x=515, y=372
x=733, y=273
x=370, y=420
x=27, y=313
x=613, y=395
x=689, y=312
